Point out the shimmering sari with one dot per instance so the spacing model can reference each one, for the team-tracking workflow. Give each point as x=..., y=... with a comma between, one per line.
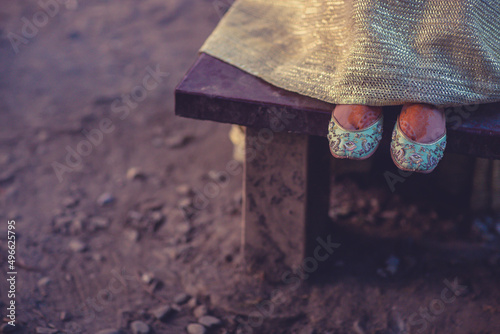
x=375, y=52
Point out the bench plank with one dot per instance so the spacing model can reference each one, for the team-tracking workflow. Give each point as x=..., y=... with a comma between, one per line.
x=216, y=91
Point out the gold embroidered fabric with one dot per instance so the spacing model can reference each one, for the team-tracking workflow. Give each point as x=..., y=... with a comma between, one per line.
x=375, y=52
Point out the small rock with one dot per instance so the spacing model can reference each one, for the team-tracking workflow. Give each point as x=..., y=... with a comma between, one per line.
x=200, y=311
x=97, y=257
x=131, y=235
x=135, y=173
x=186, y=208
x=181, y=298
x=42, y=136
x=99, y=223
x=45, y=330
x=77, y=246
x=344, y=209
x=62, y=222
x=147, y=277
x=43, y=282
x=134, y=217
x=76, y=226
x=156, y=218
x=192, y=303
x=69, y=202
x=109, y=331
x=184, y=203
x=219, y=177
x=152, y=204
x=162, y=313
x=209, y=321
x=64, y=316
x=238, y=197
x=357, y=329
x=196, y=329
x=105, y=199
x=183, y=228
x=155, y=221
x=8, y=174
x=139, y=327
x=184, y=190
x=177, y=141
x=396, y=322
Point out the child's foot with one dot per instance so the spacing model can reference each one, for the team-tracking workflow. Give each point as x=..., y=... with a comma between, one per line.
x=419, y=138
x=355, y=131
x=422, y=123
x=356, y=116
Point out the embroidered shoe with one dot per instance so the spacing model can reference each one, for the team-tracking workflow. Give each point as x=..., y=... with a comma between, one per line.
x=411, y=156
x=354, y=144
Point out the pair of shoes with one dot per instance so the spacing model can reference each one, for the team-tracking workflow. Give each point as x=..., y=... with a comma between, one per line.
x=407, y=154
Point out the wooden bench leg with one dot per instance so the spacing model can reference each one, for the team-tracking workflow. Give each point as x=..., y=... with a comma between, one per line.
x=286, y=195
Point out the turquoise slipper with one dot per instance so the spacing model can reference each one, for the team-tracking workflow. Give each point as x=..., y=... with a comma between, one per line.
x=411, y=156
x=354, y=144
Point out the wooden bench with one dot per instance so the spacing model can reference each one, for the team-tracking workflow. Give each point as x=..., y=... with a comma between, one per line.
x=286, y=172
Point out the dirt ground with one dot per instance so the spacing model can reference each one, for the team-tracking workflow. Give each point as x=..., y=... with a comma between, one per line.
x=102, y=185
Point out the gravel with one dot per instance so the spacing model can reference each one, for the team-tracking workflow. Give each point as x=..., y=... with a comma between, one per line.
x=162, y=313
x=109, y=331
x=139, y=327
x=64, y=316
x=78, y=246
x=181, y=298
x=177, y=141
x=200, y=311
x=196, y=329
x=43, y=282
x=99, y=223
x=105, y=199
x=135, y=173
x=209, y=321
